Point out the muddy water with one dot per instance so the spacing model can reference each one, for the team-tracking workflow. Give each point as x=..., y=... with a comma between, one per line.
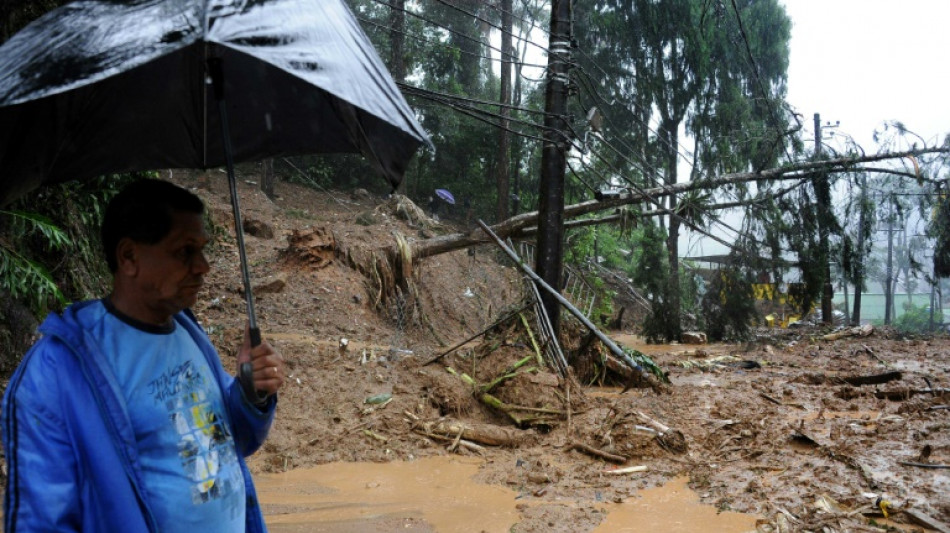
x=672, y=508
x=640, y=344
x=438, y=495
x=438, y=492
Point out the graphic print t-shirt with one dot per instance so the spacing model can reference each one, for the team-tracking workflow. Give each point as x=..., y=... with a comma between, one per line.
x=191, y=472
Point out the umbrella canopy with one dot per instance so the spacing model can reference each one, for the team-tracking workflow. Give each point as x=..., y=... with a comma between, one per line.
x=106, y=86
x=445, y=195
x=100, y=86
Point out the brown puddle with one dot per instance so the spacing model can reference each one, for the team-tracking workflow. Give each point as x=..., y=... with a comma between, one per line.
x=438, y=494
x=672, y=508
x=431, y=494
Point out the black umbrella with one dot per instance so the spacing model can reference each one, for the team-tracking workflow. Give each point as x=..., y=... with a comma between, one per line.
x=106, y=86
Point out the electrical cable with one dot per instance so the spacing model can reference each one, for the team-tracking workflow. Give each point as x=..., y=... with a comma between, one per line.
x=480, y=114
x=456, y=32
x=476, y=114
x=486, y=21
x=421, y=92
x=515, y=16
x=437, y=43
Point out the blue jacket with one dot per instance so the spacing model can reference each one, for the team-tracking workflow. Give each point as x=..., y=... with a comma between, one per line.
x=70, y=449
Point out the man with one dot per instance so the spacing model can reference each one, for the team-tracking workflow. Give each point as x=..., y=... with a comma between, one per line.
x=121, y=417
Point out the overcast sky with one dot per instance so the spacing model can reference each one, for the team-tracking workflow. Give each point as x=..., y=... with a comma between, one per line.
x=864, y=62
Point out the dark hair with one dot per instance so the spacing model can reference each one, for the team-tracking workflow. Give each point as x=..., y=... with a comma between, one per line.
x=142, y=211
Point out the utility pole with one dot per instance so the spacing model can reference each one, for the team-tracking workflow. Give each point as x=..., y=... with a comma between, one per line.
x=550, y=248
x=823, y=197
x=502, y=176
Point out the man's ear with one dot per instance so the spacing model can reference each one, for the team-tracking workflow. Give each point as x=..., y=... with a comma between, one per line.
x=126, y=255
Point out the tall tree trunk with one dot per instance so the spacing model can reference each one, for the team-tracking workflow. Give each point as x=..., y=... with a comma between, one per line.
x=397, y=29
x=504, y=140
x=550, y=248
x=517, y=146
x=859, y=282
x=825, y=217
x=268, y=178
x=670, y=140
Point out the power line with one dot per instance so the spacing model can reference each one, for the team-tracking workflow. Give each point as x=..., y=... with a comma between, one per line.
x=459, y=33
x=480, y=115
x=430, y=41
x=488, y=22
x=461, y=105
x=493, y=5
x=423, y=92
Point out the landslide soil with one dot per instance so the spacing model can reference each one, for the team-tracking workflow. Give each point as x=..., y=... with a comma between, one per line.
x=771, y=430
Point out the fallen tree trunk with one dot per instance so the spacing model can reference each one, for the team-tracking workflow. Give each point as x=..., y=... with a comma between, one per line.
x=876, y=379
x=614, y=458
x=904, y=394
x=855, y=381
x=481, y=433
x=513, y=227
x=859, y=331
x=632, y=379
x=923, y=519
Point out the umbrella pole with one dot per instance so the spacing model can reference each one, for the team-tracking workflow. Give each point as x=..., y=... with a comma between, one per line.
x=245, y=373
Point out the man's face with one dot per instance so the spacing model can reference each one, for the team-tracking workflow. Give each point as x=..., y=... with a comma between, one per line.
x=169, y=274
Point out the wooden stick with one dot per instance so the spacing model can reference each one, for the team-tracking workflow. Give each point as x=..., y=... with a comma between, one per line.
x=462, y=442
x=926, y=520
x=769, y=398
x=475, y=336
x=903, y=394
x=870, y=352
x=597, y=453
x=662, y=428
x=859, y=331
x=570, y=429
x=534, y=343
x=627, y=470
x=563, y=301
x=924, y=465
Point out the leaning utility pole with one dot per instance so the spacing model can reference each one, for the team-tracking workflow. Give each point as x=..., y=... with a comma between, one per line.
x=550, y=247
x=823, y=197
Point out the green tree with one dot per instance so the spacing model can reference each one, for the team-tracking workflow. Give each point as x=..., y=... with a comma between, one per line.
x=939, y=228
x=717, y=71
x=656, y=327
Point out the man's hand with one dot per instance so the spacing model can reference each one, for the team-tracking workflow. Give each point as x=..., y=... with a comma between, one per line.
x=267, y=364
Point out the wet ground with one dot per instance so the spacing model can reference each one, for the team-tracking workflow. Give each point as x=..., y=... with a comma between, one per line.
x=794, y=431
x=440, y=494
x=786, y=444
x=776, y=438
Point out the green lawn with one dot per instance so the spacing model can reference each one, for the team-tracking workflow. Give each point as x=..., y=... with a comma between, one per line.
x=872, y=304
